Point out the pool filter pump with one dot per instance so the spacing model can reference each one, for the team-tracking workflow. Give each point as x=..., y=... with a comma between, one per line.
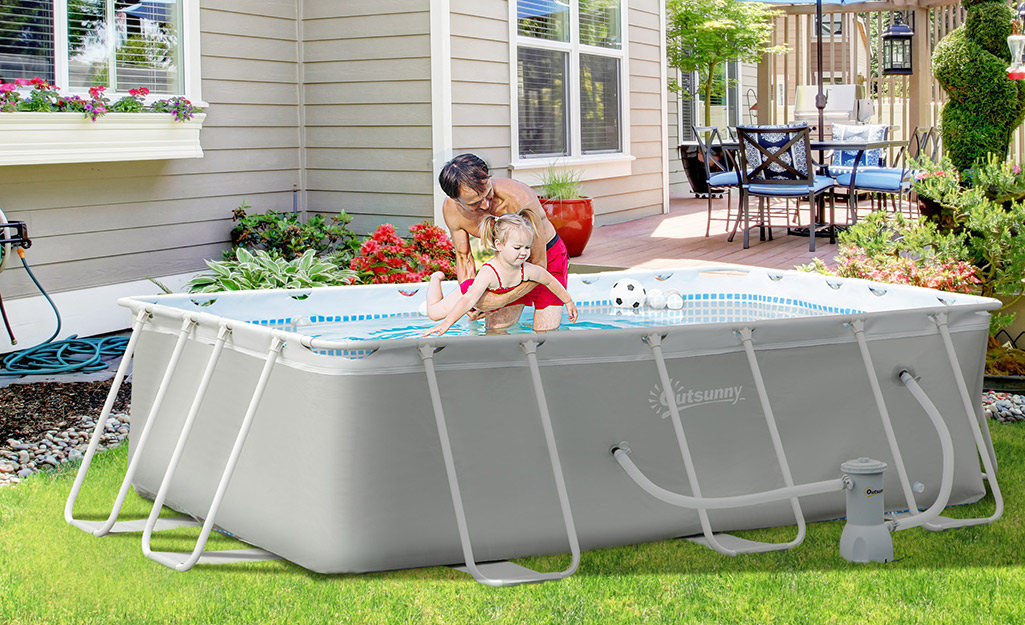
x=866, y=536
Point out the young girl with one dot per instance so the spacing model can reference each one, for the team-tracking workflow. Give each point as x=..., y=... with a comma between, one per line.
x=510, y=236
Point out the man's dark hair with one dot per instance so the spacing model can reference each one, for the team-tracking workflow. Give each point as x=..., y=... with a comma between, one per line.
x=466, y=170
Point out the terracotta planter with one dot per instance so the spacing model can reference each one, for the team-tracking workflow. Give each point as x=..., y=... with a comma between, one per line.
x=573, y=220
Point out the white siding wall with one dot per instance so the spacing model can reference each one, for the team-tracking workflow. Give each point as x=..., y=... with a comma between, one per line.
x=482, y=114
x=367, y=105
x=95, y=224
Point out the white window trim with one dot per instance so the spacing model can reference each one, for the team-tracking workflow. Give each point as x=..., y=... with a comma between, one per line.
x=190, y=37
x=590, y=166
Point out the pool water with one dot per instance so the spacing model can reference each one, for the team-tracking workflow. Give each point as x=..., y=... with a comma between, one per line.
x=590, y=318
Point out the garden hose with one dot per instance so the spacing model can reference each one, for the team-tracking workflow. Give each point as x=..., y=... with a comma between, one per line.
x=70, y=355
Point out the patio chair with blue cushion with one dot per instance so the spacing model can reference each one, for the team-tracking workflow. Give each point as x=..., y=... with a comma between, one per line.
x=776, y=162
x=882, y=181
x=720, y=172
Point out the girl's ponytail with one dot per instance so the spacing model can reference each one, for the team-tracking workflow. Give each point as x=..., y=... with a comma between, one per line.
x=487, y=231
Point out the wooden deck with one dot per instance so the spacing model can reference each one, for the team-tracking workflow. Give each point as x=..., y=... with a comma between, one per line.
x=678, y=239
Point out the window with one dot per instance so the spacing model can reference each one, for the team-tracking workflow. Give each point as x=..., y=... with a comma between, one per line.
x=120, y=44
x=570, y=77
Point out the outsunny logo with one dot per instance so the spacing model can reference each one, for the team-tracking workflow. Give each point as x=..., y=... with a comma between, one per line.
x=691, y=398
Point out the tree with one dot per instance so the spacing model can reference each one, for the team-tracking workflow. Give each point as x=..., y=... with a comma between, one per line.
x=704, y=34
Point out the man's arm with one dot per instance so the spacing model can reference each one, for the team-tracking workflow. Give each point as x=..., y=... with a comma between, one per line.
x=466, y=268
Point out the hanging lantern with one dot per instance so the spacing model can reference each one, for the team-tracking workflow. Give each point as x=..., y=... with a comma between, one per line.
x=1016, y=43
x=897, y=47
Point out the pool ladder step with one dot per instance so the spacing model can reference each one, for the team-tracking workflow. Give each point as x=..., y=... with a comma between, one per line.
x=502, y=573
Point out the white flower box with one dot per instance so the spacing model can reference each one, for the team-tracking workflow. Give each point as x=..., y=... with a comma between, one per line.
x=42, y=138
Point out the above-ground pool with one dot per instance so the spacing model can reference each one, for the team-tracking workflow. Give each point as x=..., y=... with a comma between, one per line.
x=365, y=447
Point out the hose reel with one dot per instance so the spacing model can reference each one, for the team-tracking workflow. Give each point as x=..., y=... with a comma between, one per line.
x=13, y=235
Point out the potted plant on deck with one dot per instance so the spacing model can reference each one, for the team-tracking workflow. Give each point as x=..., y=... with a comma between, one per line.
x=570, y=212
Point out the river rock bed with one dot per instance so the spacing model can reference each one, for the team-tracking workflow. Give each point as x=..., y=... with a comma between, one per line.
x=1004, y=407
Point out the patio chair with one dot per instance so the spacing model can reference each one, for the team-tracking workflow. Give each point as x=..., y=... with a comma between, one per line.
x=842, y=161
x=720, y=172
x=776, y=162
x=894, y=181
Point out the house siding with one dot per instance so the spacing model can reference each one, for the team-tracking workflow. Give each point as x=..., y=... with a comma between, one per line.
x=482, y=111
x=367, y=105
x=96, y=224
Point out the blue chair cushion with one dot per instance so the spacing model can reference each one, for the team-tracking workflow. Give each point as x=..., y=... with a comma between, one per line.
x=772, y=142
x=791, y=190
x=725, y=179
x=843, y=160
x=884, y=179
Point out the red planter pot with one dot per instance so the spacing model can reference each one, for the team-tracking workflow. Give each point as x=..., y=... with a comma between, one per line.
x=573, y=220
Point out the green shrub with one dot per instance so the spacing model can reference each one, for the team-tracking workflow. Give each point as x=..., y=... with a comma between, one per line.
x=285, y=235
x=260, y=270
x=984, y=105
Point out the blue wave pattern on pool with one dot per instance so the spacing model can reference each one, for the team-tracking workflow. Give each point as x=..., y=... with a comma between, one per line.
x=697, y=308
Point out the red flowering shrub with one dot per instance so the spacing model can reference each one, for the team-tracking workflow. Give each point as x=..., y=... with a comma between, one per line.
x=386, y=258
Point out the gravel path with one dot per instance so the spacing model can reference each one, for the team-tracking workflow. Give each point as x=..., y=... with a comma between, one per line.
x=44, y=425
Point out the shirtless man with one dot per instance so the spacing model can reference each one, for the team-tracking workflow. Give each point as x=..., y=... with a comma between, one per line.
x=472, y=194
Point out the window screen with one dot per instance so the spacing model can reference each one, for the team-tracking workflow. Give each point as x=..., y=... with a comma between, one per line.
x=543, y=19
x=26, y=39
x=599, y=104
x=542, y=102
x=600, y=23
x=140, y=49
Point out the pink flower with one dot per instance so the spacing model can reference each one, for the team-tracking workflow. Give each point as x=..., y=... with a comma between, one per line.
x=1016, y=169
x=8, y=86
x=22, y=81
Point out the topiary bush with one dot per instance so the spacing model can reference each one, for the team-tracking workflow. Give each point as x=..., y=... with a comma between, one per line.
x=984, y=105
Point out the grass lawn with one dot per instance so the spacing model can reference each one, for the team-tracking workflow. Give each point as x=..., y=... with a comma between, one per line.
x=52, y=573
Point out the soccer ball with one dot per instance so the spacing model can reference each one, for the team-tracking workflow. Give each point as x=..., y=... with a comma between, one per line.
x=656, y=299
x=627, y=293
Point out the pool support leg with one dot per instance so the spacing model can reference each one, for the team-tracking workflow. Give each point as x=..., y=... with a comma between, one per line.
x=110, y=525
x=219, y=557
x=723, y=543
x=983, y=444
x=183, y=561
x=498, y=573
x=858, y=328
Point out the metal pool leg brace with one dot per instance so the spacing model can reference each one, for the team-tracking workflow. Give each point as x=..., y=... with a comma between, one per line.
x=866, y=535
x=183, y=561
x=982, y=444
x=110, y=526
x=502, y=573
x=727, y=544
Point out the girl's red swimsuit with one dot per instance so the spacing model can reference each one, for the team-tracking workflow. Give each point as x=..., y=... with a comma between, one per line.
x=465, y=284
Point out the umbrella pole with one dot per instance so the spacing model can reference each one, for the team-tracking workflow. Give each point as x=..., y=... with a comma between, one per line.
x=820, y=97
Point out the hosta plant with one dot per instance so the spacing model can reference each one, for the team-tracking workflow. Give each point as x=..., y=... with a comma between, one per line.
x=260, y=270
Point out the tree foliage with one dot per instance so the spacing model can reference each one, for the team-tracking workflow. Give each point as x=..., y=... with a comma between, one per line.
x=704, y=34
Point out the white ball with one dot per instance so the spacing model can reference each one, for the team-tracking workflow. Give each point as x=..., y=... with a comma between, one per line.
x=674, y=301
x=423, y=308
x=656, y=299
x=627, y=293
